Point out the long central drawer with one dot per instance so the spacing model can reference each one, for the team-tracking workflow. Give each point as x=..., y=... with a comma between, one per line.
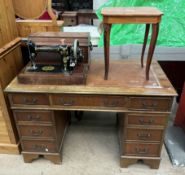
x=89, y=100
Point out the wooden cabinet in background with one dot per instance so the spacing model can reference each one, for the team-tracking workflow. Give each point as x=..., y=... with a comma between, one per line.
x=10, y=64
x=69, y=18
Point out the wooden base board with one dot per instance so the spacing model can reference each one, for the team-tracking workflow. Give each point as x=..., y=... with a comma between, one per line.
x=78, y=77
x=152, y=162
x=9, y=148
x=56, y=158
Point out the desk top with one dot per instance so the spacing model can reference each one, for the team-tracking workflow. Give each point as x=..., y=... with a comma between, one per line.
x=126, y=77
x=131, y=11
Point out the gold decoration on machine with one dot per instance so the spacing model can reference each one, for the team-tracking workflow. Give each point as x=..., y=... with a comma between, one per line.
x=48, y=68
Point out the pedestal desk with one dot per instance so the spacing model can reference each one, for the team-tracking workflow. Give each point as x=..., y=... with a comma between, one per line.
x=40, y=111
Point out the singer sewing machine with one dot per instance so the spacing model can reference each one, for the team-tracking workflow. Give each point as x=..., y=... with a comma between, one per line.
x=55, y=60
x=71, y=56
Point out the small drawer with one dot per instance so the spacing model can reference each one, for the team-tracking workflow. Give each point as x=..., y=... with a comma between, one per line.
x=70, y=21
x=33, y=116
x=39, y=146
x=36, y=131
x=150, y=103
x=144, y=134
x=141, y=149
x=87, y=101
x=146, y=119
x=29, y=99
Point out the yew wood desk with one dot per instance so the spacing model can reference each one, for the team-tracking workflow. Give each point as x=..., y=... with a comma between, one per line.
x=40, y=111
x=132, y=15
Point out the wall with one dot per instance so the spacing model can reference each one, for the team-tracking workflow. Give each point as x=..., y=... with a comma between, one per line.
x=10, y=65
x=98, y=3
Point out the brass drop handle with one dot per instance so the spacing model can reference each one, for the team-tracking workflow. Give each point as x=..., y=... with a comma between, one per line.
x=36, y=133
x=143, y=135
x=33, y=117
x=151, y=105
x=149, y=122
x=31, y=101
x=141, y=150
x=111, y=103
x=40, y=147
x=69, y=102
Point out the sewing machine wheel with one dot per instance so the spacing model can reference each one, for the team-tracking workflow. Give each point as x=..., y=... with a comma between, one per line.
x=75, y=48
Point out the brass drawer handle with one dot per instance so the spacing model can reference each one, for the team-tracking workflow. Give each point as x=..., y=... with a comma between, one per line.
x=40, y=148
x=32, y=101
x=36, y=133
x=34, y=118
x=69, y=102
x=146, y=105
x=110, y=103
x=141, y=150
x=149, y=122
x=143, y=136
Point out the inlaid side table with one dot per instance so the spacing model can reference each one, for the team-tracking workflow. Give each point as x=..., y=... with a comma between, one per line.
x=132, y=15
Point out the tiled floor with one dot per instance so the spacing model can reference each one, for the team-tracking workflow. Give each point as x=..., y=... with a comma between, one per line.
x=90, y=148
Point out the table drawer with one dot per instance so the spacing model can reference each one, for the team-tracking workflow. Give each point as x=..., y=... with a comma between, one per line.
x=36, y=131
x=90, y=101
x=39, y=146
x=33, y=116
x=146, y=119
x=70, y=21
x=144, y=134
x=141, y=149
x=150, y=103
x=29, y=99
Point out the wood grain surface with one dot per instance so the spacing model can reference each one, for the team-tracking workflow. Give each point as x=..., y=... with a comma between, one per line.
x=126, y=77
x=29, y=9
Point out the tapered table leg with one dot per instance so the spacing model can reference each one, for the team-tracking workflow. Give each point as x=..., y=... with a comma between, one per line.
x=107, y=28
x=155, y=31
x=145, y=42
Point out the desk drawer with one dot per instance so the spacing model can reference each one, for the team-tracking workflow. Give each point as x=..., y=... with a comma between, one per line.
x=150, y=103
x=141, y=149
x=33, y=116
x=29, y=99
x=36, y=131
x=144, y=134
x=146, y=119
x=90, y=101
x=39, y=146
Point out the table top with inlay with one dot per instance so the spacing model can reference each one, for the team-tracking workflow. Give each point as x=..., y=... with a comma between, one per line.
x=126, y=78
x=131, y=11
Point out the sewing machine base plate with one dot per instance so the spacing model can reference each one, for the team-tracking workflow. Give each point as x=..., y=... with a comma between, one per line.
x=53, y=75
